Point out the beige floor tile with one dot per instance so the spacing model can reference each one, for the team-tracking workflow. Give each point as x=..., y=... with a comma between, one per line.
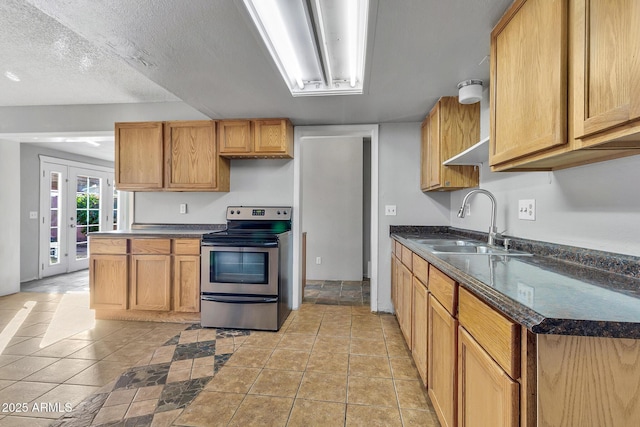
x=288, y=360
x=141, y=407
x=316, y=413
x=6, y=359
x=398, y=349
x=24, y=348
x=5, y=383
x=96, y=351
x=335, y=363
x=210, y=408
x=187, y=337
x=372, y=416
x=60, y=371
x=362, y=310
x=62, y=348
x=63, y=397
x=24, y=367
x=334, y=331
x=24, y=391
x=233, y=379
x=32, y=330
x=372, y=391
x=333, y=344
x=262, y=340
x=99, y=373
x=403, y=368
x=201, y=371
x=277, y=383
x=323, y=386
x=299, y=342
x=176, y=375
x=204, y=361
x=146, y=393
x=262, y=411
x=338, y=310
x=110, y=414
x=120, y=397
x=414, y=417
x=367, y=333
x=15, y=421
x=367, y=347
x=179, y=365
x=207, y=334
x=165, y=419
x=163, y=354
x=308, y=328
x=369, y=366
x=252, y=357
x=411, y=394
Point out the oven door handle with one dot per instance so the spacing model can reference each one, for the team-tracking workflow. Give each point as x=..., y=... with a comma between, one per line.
x=236, y=300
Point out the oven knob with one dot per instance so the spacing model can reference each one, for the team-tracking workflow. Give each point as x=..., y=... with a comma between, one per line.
x=238, y=212
x=278, y=212
x=232, y=212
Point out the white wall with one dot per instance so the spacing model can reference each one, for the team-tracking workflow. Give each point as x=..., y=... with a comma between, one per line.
x=332, y=200
x=593, y=206
x=10, y=218
x=253, y=182
x=399, y=184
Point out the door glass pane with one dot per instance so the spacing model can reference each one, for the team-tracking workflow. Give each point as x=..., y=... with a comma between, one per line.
x=239, y=267
x=115, y=207
x=54, y=240
x=87, y=212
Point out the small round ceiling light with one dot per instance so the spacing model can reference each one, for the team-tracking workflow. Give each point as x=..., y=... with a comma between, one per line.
x=470, y=91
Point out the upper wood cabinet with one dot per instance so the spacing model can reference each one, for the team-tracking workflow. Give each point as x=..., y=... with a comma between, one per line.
x=169, y=156
x=139, y=156
x=564, y=84
x=607, y=66
x=449, y=129
x=260, y=138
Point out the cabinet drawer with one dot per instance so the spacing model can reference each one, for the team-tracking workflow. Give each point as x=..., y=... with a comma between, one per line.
x=151, y=246
x=406, y=257
x=420, y=269
x=186, y=246
x=499, y=336
x=107, y=246
x=444, y=289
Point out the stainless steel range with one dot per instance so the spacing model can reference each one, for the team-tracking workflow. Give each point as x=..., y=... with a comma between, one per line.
x=246, y=270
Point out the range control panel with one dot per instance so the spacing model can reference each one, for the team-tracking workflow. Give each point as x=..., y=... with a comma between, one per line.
x=266, y=213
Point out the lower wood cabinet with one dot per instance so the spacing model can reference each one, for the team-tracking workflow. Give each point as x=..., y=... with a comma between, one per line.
x=487, y=396
x=442, y=361
x=406, y=290
x=186, y=283
x=108, y=282
x=419, y=325
x=150, y=282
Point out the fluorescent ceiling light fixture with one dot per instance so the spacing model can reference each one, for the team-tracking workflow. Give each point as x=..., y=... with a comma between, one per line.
x=11, y=76
x=317, y=45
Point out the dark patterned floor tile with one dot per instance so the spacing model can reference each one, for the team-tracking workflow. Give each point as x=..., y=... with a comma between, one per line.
x=312, y=286
x=226, y=333
x=194, y=350
x=220, y=360
x=179, y=394
x=143, y=376
x=83, y=413
x=194, y=326
x=173, y=341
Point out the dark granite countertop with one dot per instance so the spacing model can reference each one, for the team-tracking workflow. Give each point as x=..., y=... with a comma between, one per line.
x=546, y=295
x=174, y=231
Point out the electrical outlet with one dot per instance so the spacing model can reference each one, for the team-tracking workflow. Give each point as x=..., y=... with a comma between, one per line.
x=318, y=260
x=33, y=215
x=527, y=209
x=183, y=208
x=525, y=294
x=390, y=210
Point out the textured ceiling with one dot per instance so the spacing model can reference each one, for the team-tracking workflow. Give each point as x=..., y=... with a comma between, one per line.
x=56, y=66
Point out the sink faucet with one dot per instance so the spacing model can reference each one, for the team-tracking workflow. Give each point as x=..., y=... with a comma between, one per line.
x=493, y=231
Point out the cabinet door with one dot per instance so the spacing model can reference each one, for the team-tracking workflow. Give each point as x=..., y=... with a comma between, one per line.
x=150, y=282
x=190, y=151
x=486, y=394
x=406, y=288
x=234, y=136
x=607, y=65
x=186, y=283
x=434, y=164
x=528, y=80
x=394, y=283
x=419, y=327
x=442, y=362
x=424, y=155
x=108, y=282
x=274, y=136
x=138, y=156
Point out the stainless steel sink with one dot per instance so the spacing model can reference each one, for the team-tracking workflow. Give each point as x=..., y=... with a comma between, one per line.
x=475, y=250
x=445, y=242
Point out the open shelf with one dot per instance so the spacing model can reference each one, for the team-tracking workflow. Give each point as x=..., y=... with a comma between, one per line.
x=474, y=155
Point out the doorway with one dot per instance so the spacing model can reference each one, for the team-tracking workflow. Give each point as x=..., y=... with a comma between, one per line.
x=75, y=199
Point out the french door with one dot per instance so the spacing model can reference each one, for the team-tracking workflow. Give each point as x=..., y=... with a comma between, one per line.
x=74, y=201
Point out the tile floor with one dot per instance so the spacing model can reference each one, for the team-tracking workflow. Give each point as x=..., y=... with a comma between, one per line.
x=328, y=365
x=337, y=292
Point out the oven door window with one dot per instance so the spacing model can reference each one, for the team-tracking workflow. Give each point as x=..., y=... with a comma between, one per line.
x=239, y=267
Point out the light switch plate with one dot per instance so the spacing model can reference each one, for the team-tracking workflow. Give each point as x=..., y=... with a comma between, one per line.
x=183, y=208
x=527, y=209
x=33, y=215
x=390, y=210
x=525, y=294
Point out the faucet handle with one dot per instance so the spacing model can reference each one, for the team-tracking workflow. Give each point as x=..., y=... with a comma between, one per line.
x=506, y=243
